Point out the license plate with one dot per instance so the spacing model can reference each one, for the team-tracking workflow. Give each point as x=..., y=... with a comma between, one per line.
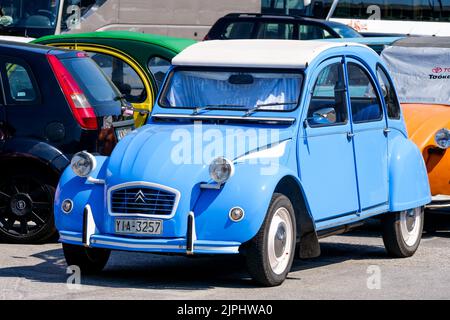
x=138, y=226
x=122, y=132
x=122, y=128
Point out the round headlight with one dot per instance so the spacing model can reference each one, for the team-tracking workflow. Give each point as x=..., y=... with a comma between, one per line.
x=83, y=163
x=221, y=169
x=442, y=138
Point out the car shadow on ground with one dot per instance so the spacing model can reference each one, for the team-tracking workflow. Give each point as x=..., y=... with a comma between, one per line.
x=148, y=271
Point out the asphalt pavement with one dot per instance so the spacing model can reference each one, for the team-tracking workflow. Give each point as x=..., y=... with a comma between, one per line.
x=352, y=266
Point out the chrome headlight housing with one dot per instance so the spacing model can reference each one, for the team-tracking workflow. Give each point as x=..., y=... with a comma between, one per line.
x=442, y=138
x=83, y=163
x=221, y=169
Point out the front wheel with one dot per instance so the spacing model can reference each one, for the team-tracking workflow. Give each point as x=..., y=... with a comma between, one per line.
x=402, y=232
x=270, y=253
x=89, y=260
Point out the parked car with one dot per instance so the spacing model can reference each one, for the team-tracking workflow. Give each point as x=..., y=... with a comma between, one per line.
x=251, y=155
x=135, y=62
x=54, y=103
x=272, y=26
x=420, y=69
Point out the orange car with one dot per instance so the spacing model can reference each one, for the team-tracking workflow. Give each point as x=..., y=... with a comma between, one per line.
x=420, y=69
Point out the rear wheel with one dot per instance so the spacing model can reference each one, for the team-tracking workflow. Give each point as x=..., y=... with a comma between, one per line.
x=89, y=260
x=26, y=207
x=270, y=253
x=402, y=232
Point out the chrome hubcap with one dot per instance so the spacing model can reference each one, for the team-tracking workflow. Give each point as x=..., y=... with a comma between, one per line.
x=410, y=221
x=280, y=240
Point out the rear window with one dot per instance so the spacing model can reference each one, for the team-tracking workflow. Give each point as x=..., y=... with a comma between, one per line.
x=124, y=77
x=99, y=90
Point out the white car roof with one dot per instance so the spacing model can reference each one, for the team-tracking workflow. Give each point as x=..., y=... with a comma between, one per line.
x=255, y=53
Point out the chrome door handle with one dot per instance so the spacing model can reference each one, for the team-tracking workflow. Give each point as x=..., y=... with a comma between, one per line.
x=350, y=136
x=386, y=131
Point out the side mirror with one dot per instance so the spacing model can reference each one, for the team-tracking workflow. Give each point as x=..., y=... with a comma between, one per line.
x=323, y=116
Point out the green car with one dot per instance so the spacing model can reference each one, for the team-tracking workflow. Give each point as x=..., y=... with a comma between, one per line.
x=136, y=62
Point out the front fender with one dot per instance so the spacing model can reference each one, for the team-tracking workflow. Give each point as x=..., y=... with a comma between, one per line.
x=248, y=189
x=408, y=180
x=423, y=121
x=81, y=192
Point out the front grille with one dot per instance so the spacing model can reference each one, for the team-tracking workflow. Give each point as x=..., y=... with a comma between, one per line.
x=142, y=200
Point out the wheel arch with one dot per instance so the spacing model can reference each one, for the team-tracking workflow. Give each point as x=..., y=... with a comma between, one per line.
x=28, y=153
x=306, y=232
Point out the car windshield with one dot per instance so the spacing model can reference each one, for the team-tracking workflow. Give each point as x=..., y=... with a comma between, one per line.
x=34, y=18
x=199, y=89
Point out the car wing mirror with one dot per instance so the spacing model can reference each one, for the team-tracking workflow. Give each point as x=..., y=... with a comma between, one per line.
x=324, y=116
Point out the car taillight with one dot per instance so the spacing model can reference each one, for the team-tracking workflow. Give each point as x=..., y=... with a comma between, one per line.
x=80, y=106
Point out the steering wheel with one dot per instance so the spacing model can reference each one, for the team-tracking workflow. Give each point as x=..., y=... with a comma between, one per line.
x=48, y=14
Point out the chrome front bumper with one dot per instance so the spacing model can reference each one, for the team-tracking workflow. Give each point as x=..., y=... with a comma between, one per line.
x=189, y=245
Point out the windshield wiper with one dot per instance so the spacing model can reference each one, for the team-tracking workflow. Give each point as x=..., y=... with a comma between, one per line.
x=197, y=110
x=259, y=106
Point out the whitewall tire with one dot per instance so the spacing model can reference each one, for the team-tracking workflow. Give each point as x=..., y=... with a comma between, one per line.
x=402, y=232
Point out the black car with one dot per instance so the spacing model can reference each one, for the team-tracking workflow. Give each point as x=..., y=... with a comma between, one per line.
x=53, y=103
x=265, y=26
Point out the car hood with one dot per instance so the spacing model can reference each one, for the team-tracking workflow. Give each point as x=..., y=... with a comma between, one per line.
x=171, y=155
x=424, y=120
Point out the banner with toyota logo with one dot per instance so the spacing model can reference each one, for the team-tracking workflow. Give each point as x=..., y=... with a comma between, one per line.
x=420, y=74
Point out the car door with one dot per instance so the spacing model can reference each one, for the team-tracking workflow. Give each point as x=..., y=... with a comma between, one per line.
x=369, y=138
x=325, y=153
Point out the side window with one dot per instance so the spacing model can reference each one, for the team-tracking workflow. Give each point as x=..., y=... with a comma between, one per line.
x=158, y=67
x=283, y=31
x=20, y=86
x=390, y=98
x=122, y=75
x=328, y=106
x=238, y=30
x=364, y=101
x=312, y=32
